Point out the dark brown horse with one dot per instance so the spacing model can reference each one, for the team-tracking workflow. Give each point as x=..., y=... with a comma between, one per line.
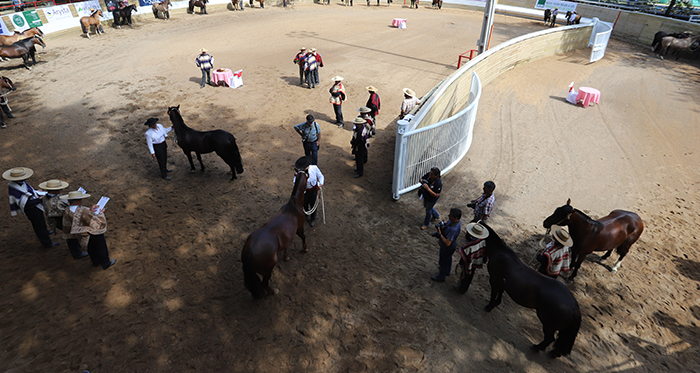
x=24, y=48
x=163, y=7
x=122, y=17
x=92, y=20
x=556, y=307
x=237, y=5
x=620, y=229
x=9, y=39
x=262, y=3
x=259, y=254
x=437, y=4
x=202, y=4
x=218, y=141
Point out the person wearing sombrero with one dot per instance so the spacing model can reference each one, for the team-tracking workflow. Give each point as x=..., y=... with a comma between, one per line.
x=409, y=102
x=471, y=255
x=360, y=143
x=155, y=139
x=319, y=64
x=299, y=60
x=205, y=62
x=373, y=104
x=556, y=256
x=338, y=96
x=310, y=70
x=79, y=220
x=54, y=207
x=366, y=114
x=23, y=198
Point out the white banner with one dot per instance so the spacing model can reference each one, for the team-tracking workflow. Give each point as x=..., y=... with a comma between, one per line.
x=18, y=21
x=83, y=8
x=3, y=28
x=57, y=12
x=564, y=6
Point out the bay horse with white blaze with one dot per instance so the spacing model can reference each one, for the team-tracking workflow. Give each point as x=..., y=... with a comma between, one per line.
x=556, y=307
x=122, y=17
x=163, y=7
x=202, y=4
x=24, y=48
x=259, y=254
x=218, y=141
x=619, y=230
x=92, y=20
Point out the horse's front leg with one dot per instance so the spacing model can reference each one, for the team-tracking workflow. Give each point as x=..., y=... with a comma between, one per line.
x=199, y=158
x=189, y=158
x=300, y=233
x=496, y=294
x=577, y=264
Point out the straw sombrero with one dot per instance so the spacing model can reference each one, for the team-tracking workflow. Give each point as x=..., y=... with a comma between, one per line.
x=409, y=91
x=371, y=88
x=364, y=109
x=203, y=50
x=337, y=78
x=302, y=49
x=562, y=236
x=53, y=185
x=477, y=230
x=76, y=194
x=18, y=174
x=359, y=120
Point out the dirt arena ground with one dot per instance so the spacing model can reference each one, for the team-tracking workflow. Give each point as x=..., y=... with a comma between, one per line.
x=361, y=299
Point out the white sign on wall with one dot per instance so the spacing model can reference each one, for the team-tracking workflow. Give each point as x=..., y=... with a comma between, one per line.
x=57, y=12
x=564, y=6
x=83, y=8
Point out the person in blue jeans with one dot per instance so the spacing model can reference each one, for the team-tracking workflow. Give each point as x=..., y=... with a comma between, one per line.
x=447, y=237
x=431, y=186
x=310, y=133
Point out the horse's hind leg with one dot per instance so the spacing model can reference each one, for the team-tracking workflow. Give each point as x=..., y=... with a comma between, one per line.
x=199, y=158
x=548, y=338
x=300, y=233
x=266, y=284
x=607, y=255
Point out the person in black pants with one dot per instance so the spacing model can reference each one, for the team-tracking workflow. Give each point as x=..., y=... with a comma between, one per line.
x=54, y=207
x=79, y=220
x=25, y=199
x=359, y=142
x=155, y=138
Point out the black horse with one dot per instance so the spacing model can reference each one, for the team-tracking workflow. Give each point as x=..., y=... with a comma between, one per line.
x=219, y=141
x=122, y=17
x=547, y=16
x=556, y=307
x=202, y=4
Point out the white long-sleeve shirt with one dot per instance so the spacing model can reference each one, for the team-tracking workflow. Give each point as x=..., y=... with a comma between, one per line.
x=156, y=136
x=315, y=177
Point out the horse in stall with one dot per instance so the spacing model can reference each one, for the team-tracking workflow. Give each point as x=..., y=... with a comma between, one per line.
x=437, y=4
x=556, y=307
x=92, y=20
x=163, y=7
x=575, y=20
x=202, y=4
x=17, y=36
x=656, y=43
x=547, y=16
x=218, y=141
x=259, y=254
x=24, y=48
x=122, y=17
x=620, y=229
x=5, y=82
x=677, y=45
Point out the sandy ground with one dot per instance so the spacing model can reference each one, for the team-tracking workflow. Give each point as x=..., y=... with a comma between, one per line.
x=361, y=299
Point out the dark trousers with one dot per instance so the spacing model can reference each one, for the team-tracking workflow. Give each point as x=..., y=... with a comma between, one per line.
x=445, y=261
x=360, y=159
x=311, y=78
x=430, y=211
x=338, y=109
x=302, y=74
x=6, y=110
x=206, y=74
x=73, y=243
x=161, y=151
x=309, y=201
x=465, y=280
x=36, y=216
x=311, y=151
x=97, y=249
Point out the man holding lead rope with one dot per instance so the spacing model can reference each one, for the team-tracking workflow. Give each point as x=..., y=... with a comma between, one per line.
x=313, y=183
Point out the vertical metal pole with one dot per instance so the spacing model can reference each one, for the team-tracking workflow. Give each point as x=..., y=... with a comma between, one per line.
x=399, y=158
x=487, y=25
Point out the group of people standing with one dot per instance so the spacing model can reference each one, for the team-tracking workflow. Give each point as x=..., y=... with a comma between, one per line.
x=309, y=62
x=80, y=225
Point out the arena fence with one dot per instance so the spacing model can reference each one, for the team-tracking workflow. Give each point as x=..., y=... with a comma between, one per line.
x=440, y=133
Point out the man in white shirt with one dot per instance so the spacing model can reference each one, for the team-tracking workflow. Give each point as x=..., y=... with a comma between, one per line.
x=155, y=138
x=313, y=183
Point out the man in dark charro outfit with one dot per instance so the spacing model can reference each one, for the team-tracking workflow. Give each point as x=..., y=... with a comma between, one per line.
x=205, y=62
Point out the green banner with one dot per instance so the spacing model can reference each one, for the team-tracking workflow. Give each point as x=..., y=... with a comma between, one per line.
x=32, y=18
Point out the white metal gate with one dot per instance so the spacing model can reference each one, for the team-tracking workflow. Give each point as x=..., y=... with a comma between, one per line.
x=599, y=39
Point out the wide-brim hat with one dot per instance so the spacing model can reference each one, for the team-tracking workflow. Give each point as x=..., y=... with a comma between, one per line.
x=302, y=48
x=76, y=194
x=301, y=163
x=359, y=120
x=151, y=121
x=364, y=109
x=409, y=91
x=337, y=78
x=313, y=49
x=18, y=173
x=53, y=185
x=371, y=88
x=477, y=230
x=203, y=50
x=562, y=236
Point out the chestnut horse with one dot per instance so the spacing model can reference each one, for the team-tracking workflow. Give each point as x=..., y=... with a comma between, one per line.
x=92, y=20
x=202, y=4
x=9, y=39
x=620, y=229
x=556, y=307
x=24, y=48
x=162, y=6
x=237, y=5
x=259, y=254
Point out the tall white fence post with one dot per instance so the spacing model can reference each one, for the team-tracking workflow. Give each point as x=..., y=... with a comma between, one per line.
x=399, y=158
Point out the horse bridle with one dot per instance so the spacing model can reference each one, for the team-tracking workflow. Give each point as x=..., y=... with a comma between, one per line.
x=550, y=229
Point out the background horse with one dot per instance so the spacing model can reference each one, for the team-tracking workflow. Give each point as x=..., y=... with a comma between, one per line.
x=162, y=6
x=575, y=21
x=9, y=39
x=262, y=3
x=219, y=141
x=5, y=83
x=656, y=43
x=677, y=45
x=547, y=16
x=437, y=4
x=24, y=48
x=123, y=16
x=556, y=307
x=92, y=20
x=620, y=229
x=237, y=5
x=259, y=254
x=202, y=4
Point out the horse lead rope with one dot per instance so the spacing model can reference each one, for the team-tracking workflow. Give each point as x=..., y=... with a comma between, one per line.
x=313, y=209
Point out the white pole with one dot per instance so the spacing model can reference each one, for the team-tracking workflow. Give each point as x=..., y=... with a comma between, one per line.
x=489, y=12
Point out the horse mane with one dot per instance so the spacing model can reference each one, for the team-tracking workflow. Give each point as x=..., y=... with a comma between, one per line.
x=296, y=183
x=584, y=215
x=177, y=117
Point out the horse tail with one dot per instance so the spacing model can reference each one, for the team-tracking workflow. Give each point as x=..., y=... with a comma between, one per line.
x=235, y=154
x=82, y=26
x=567, y=336
x=250, y=278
